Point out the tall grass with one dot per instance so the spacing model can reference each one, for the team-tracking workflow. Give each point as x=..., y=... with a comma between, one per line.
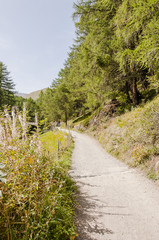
x=134, y=137
x=35, y=192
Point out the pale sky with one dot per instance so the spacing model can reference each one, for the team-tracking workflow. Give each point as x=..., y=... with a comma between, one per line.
x=35, y=38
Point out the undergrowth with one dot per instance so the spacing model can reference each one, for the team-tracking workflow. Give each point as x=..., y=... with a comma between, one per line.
x=133, y=137
x=36, y=193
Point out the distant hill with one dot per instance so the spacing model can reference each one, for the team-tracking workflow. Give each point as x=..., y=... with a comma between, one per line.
x=24, y=95
x=34, y=95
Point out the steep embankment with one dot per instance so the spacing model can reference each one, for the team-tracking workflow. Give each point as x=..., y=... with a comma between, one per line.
x=132, y=137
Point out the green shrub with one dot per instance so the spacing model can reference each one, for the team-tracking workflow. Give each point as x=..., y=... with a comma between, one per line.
x=36, y=199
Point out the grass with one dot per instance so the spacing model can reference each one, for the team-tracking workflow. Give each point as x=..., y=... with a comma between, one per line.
x=37, y=195
x=63, y=222
x=133, y=137
x=81, y=118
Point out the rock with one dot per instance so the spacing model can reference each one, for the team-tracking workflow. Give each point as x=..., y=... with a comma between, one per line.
x=157, y=167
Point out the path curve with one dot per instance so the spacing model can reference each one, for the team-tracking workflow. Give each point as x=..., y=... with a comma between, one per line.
x=116, y=202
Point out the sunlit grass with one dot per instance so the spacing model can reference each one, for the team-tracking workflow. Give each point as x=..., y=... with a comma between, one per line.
x=134, y=136
x=36, y=200
x=54, y=139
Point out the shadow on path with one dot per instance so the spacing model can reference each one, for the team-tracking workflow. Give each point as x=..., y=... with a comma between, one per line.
x=85, y=221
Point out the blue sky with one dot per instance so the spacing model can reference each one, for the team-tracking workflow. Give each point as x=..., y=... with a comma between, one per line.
x=35, y=38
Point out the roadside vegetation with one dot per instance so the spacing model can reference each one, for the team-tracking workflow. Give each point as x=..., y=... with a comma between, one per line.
x=132, y=137
x=110, y=77
x=36, y=193
x=109, y=86
x=115, y=57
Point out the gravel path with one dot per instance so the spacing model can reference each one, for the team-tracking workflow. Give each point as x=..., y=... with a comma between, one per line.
x=116, y=202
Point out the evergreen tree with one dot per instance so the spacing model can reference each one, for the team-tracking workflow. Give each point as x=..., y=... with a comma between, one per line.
x=115, y=56
x=6, y=87
x=19, y=102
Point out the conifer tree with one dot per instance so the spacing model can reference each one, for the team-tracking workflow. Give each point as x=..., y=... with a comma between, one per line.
x=7, y=90
x=115, y=56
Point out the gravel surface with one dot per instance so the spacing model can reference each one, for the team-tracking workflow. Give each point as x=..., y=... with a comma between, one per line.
x=115, y=201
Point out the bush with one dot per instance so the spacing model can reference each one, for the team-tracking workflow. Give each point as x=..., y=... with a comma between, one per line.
x=36, y=193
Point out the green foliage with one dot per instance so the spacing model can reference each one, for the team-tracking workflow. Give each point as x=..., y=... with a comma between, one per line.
x=134, y=137
x=6, y=87
x=47, y=106
x=19, y=102
x=36, y=199
x=32, y=107
x=115, y=55
x=78, y=119
x=35, y=95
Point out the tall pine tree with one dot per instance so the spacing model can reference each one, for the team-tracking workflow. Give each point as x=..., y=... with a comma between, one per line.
x=6, y=87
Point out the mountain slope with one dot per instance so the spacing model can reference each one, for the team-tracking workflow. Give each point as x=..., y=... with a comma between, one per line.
x=34, y=95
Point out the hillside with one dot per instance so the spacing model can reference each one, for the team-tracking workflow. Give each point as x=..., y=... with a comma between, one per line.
x=24, y=95
x=132, y=137
x=115, y=56
x=34, y=95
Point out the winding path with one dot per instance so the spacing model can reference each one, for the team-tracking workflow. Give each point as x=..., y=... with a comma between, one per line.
x=116, y=202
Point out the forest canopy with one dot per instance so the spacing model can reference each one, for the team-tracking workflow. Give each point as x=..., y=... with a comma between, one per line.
x=115, y=56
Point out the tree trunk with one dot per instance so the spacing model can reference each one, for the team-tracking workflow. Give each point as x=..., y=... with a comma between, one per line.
x=66, y=118
x=127, y=89
x=134, y=92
